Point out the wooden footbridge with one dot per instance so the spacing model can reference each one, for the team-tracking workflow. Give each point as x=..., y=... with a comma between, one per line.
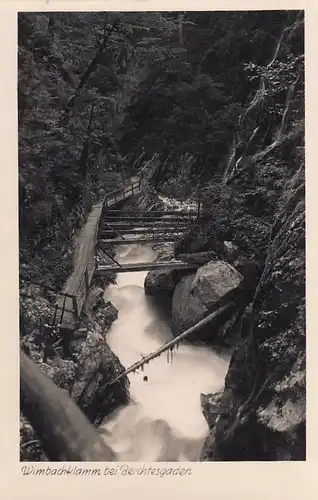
x=64, y=431
x=108, y=225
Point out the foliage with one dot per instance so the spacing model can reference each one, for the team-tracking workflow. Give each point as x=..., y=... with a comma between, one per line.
x=278, y=78
x=98, y=91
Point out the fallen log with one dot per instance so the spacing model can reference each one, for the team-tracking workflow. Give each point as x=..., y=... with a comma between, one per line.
x=64, y=431
x=174, y=342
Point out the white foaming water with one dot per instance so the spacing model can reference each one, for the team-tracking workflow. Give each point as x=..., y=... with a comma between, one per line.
x=164, y=421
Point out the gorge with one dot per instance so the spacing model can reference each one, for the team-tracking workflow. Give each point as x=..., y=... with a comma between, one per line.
x=214, y=120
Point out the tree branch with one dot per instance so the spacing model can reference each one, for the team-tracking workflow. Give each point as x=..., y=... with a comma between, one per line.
x=92, y=66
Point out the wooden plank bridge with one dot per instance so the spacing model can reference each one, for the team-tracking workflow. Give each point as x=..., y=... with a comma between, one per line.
x=64, y=431
x=109, y=225
x=70, y=302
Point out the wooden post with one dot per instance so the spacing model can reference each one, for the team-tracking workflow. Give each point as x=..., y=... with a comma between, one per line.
x=62, y=315
x=75, y=306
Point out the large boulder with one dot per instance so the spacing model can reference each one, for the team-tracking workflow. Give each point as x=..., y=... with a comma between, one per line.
x=97, y=366
x=196, y=295
x=161, y=283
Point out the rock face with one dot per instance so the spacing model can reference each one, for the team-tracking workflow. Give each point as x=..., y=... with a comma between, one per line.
x=161, y=283
x=85, y=377
x=210, y=404
x=97, y=366
x=198, y=294
x=263, y=405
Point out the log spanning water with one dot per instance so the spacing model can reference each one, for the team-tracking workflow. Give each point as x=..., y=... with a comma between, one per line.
x=172, y=343
x=163, y=420
x=145, y=266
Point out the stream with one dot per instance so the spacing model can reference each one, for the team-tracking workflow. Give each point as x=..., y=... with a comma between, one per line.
x=164, y=420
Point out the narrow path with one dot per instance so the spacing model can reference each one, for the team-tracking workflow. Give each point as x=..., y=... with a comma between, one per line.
x=84, y=260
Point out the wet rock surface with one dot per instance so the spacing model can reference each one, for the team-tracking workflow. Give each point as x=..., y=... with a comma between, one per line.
x=210, y=404
x=198, y=294
x=86, y=374
x=97, y=365
x=263, y=405
x=161, y=283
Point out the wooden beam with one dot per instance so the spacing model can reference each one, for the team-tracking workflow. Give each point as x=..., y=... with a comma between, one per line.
x=147, y=266
x=140, y=230
x=64, y=431
x=151, y=213
x=109, y=256
x=138, y=218
x=171, y=343
x=114, y=230
x=145, y=223
x=118, y=226
x=140, y=241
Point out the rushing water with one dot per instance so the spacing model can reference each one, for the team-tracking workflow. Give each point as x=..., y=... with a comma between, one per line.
x=164, y=421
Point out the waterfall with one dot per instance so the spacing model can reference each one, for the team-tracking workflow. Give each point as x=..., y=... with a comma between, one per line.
x=231, y=162
x=278, y=46
x=259, y=95
x=289, y=97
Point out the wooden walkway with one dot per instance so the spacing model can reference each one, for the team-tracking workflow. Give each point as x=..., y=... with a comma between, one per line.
x=114, y=228
x=70, y=303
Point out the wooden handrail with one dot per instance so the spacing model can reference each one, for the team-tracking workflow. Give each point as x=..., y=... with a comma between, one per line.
x=118, y=194
x=121, y=190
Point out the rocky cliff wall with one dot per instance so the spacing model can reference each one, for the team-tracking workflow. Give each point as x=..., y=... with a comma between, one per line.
x=253, y=217
x=262, y=412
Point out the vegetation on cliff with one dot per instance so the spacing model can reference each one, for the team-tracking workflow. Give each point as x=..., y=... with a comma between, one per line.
x=207, y=104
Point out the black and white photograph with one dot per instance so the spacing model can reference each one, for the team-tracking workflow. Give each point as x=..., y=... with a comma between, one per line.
x=161, y=173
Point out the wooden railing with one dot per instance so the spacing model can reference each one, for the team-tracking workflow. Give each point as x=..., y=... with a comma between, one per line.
x=123, y=193
x=71, y=305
